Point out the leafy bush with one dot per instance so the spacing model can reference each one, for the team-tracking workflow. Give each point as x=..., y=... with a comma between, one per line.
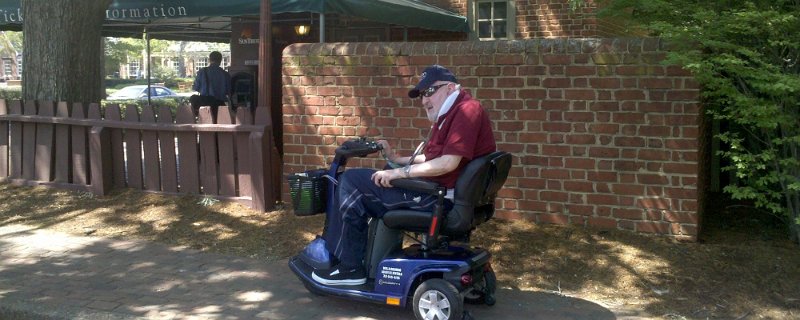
x=172, y=104
x=11, y=93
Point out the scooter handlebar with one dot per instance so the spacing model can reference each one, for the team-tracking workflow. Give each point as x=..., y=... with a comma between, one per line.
x=359, y=147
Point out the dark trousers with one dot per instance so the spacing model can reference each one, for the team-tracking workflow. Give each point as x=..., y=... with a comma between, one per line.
x=358, y=199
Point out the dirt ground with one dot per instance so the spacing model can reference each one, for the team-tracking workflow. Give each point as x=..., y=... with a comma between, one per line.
x=739, y=270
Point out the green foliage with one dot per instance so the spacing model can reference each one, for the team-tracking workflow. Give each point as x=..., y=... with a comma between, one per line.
x=172, y=104
x=744, y=54
x=11, y=93
x=120, y=51
x=166, y=75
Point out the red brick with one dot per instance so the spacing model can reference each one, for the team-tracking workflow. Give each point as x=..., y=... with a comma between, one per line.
x=579, y=163
x=653, y=227
x=651, y=179
x=602, y=199
x=629, y=95
x=536, y=137
x=685, y=229
x=577, y=94
x=576, y=71
x=552, y=218
x=630, y=142
x=628, y=214
x=556, y=127
x=556, y=83
x=628, y=189
x=658, y=155
x=604, y=128
x=656, y=83
x=533, y=93
x=553, y=150
x=681, y=217
x=578, y=186
x=509, y=214
x=654, y=203
x=512, y=59
x=556, y=59
x=599, y=176
x=683, y=95
x=555, y=174
x=529, y=183
x=680, y=193
x=681, y=168
x=535, y=206
x=682, y=144
x=580, y=139
x=486, y=71
x=599, y=152
x=688, y=205
x=552, y=196
x=605, y=83
x=466, y=60
x=603, y=223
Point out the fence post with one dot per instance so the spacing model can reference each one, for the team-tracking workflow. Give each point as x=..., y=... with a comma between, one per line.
x=100, y=160
x=261, y=170
x=3, y=141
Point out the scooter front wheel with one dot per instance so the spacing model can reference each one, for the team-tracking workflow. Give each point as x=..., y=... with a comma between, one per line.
x=436, y=299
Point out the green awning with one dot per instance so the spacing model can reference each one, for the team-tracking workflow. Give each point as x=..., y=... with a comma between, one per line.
x=211, y=18
x=410, y=13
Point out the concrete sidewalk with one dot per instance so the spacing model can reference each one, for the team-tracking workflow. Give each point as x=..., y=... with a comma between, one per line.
x=50, y=275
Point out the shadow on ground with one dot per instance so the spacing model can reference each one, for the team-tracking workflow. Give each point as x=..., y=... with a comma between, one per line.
x=752, y=273
x=73, y=277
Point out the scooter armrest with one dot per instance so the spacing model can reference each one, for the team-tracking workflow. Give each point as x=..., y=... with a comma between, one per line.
x=418, y=185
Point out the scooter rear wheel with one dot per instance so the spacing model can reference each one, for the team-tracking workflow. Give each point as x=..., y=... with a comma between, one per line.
x=483, y=292
x=436, y=299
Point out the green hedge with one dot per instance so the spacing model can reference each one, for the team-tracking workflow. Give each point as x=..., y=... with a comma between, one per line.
x=11, y=93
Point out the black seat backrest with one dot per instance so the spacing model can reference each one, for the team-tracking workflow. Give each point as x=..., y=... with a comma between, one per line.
x=475, y=191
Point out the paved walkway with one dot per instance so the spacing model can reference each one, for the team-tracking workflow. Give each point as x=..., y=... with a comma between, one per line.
x=50, y=275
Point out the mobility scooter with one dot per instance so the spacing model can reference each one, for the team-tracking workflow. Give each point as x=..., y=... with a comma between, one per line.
x=440, y=271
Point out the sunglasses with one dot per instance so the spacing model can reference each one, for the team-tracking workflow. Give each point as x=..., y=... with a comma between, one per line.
x=431, y=90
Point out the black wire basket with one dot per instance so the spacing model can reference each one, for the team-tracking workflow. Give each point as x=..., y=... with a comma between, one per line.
x=309, y=191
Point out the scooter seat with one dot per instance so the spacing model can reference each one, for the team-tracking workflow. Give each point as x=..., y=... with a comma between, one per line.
x=410, y=220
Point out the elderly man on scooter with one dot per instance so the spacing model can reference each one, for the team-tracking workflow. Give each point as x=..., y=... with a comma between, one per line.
x=460, y=131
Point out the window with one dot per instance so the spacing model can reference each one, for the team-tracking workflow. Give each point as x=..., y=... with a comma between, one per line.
x=7, y=71
x=492, y=20
x=19, y=65
x=133, y=69
x=200, y=64
x=176, y=65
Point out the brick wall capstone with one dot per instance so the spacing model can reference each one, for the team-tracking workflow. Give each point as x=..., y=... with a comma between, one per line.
x=603, y=134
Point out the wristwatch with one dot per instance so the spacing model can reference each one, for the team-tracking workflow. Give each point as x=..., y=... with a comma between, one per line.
x=407, y=171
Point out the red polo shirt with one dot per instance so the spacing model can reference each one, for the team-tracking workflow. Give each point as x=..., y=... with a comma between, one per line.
x=465, y=130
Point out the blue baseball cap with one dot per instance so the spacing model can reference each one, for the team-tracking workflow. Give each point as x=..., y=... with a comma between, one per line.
x=429, y=77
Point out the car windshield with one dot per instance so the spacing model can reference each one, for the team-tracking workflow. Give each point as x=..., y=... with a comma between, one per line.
x=128, y=92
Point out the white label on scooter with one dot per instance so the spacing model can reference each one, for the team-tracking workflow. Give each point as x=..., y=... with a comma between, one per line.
x=391, y=273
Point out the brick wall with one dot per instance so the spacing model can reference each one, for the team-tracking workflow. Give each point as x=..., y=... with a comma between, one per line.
x=541, y=18
x=603, y=134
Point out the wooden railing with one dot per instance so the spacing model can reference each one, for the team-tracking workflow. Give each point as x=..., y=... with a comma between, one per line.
x=83, y=147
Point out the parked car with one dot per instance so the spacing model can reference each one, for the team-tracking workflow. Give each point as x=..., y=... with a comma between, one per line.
x=139, y=92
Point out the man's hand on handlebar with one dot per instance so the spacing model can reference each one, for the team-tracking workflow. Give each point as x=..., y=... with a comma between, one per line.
x=384, y=178
x=387, y=150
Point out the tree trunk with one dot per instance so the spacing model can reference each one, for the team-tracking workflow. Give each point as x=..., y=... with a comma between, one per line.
x=63, y=52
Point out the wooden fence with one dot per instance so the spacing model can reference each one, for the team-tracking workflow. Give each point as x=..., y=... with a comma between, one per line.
x=86, y=147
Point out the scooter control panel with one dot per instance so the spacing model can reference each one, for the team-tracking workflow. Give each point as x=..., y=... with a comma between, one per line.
x=359, y=147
